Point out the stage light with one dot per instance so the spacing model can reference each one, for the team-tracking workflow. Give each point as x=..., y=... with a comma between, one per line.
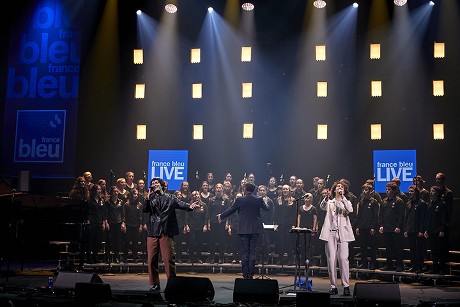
x=197, y=132
x=431, y=3
x=248, y=131
x=170, y=8
x=246, y=90
x=247, y=6
x=321, y=89
x=400, y=2
x=138, y=57
x=195, y=55
x=376, y=88
x=376, y=131
x=438, y=131
x=355, y=4
x=138, y=12
x=321, y=133
x=319, y=4
x=141, y=132
x=321, y=53
x=439, y=50
x=139, y=91
x=438, y=87
x=375, y=52
x=246, y=54
x=210, y=9
x=197, y=90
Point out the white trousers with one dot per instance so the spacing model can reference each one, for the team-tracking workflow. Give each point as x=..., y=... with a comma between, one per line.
x=337, y=251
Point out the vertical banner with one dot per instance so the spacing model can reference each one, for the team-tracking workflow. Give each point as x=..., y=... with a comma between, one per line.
x=169, y=165
x=40, y=117
x=389, y=164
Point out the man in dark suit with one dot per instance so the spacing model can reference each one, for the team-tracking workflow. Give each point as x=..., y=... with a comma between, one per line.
x=250, y=226
x=162, y=226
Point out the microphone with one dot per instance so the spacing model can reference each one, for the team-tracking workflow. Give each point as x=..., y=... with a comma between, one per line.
x=301, y=197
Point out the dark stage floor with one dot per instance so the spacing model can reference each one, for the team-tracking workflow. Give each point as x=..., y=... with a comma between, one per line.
x=129, y=286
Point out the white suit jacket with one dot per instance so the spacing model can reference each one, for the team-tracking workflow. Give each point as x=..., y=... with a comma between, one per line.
x=337, y=207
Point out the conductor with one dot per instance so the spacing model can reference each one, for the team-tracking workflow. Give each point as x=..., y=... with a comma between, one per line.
x=250, y=226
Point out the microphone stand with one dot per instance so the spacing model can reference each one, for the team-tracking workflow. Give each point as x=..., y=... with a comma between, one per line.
x=417, y=264
x=297, y=247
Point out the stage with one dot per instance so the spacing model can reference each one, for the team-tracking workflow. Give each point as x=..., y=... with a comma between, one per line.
x=129, y=285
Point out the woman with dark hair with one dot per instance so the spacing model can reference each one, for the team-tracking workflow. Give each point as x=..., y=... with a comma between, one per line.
x=133, y=220
x=97, y=222
x=104, y=193
x=115, y=224
x=79, y=189
x=185, y=195
x=337, y=232
x=196, y=226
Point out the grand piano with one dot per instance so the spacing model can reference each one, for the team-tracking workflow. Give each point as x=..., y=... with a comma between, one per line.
x=30, y=222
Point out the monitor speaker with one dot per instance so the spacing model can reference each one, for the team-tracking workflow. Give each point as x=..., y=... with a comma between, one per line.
x=265, y=291
x=378, y=293
x=183, y=289
x=67, y=280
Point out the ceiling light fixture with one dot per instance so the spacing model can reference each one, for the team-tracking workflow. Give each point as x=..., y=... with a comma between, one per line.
x=247, y=6
x=170, y=8
x=400, y=2
x=319, y=4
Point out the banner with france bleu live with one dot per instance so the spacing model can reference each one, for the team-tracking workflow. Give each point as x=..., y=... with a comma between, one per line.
x=41, y=103
x=389, y=164
x=169, y=165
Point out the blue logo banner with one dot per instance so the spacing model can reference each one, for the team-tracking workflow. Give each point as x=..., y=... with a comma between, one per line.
x=40, y=136
x=169, y=165
x=42, y=85
x=389, y=164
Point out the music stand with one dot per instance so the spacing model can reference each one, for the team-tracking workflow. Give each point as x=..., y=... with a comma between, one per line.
x=298, y=231
x=266, y=228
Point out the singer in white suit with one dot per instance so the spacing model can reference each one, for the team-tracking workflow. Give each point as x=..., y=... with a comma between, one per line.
x=337, y=232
